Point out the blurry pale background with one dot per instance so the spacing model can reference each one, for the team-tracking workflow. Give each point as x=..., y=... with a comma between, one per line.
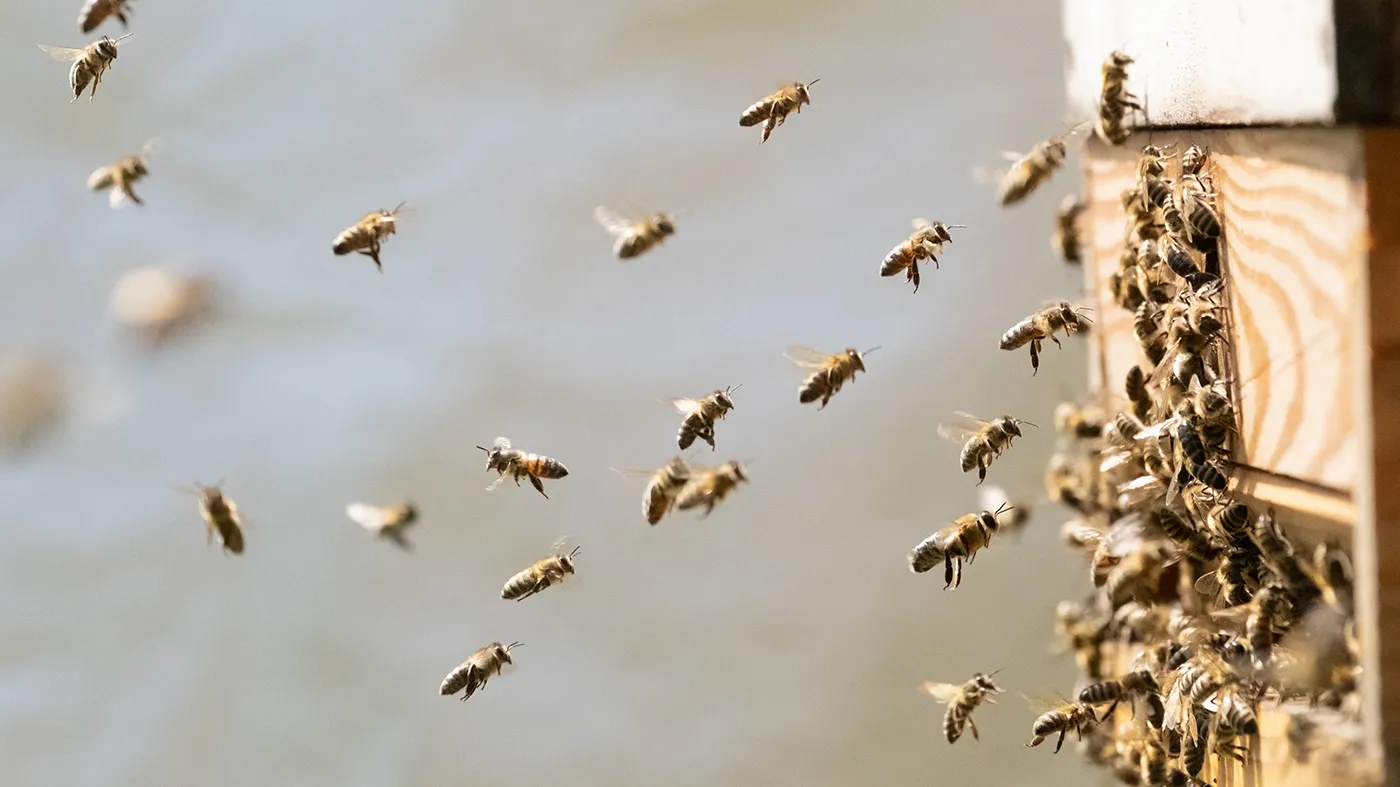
x=780, y=641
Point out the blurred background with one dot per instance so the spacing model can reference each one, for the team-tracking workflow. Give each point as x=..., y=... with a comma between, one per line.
x=780, y=641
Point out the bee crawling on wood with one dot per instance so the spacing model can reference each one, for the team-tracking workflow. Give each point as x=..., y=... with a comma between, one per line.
x=701, y=414
x=962, y=699
x=89, y=63
x=772, y=110
x=983, y=443
x=544, y=573
x=119, y=178
x=635, y=235
x=926, y=243
x=1077, y=717
x=516, y=463
x=956, y=543
x=664, y=484
x=831, y=371
x=709, y=486
x=220, y=518
x=388, y=522
x=368, y=235
x=1042, y=325
x=95, y=12
x=1067, y=241
x=1115, y=100
x=473, y=673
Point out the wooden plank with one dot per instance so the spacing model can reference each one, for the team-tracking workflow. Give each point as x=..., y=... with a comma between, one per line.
x=1293, y=208
x=1240, y=62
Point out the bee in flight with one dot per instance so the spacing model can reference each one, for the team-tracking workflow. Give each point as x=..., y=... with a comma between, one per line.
x=664, y=484
x=473, y=673
x=708, y=486
x=926, y=243
x=516, y=463
x=546, y=572
x=983, y=443
x=1078, y=717
x=368, y=235
x=830, y=371
x=1042, y=325
x=95, y=12
x=119, y=178
x=635, y=235
x=772, y=110
x=700, y=416
x=385, y=521
x=962, y=700
x=1067, y=241
x=89, y=63
x=220, y=518
x=956, y=543
x=1029, y=172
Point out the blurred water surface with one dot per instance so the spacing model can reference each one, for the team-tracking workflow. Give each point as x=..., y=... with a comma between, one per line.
x=780, y=641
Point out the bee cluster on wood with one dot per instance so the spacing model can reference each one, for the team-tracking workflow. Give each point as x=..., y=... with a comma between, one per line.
x=1202, y=609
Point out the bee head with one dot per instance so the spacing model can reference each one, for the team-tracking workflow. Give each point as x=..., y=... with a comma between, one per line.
x=723, y=396
x=803, y=97
x=984, y=681
x=492, y=454
x=665, y=225
x=737, y=468
x=107, y=48
x=1011, y=426
x=410, y=512
x=1119, y=59
x=566, y=562
x=503, y=651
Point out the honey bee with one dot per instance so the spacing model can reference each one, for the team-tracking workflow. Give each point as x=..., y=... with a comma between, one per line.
x=473, y=673
x=1078, y=422
x=635, y=235
x=119, y=178
x=1138, y=683
x=926, y=243
x=385, y=521
x=1277, y=551
x=772, y=110
x=1198, y=203
x=89, y=63
x=1068, y=716
x=984, y=443
x=831, y=371
x=546, y=572
x=1115, y=100
x=956, y=543
x=1182, y=265
x=1031, y=170
x=220, y=518
x=1192, y=160
x=157, y=303
x=708, y=486
x=1152, y=163
x=1066, y=240
x=95, y=12
x=516, y=463
x=962, y=700
x=700, y=416
x=368, y=235
x=1197, y=461
x=1135, y=386
x=1042, y=325
x=664, y=484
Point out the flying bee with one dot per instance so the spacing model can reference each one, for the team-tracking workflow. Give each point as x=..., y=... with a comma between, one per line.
x=119, y=178
x=1115, y=100
x=368, y=235
x=772, y=110
x=1067, y=241
x=635, y=235
x=956, y=543
x=708, y=486
x=700, y=416
x=385, y=521
x=831, y=371
x=962, y=700
x=926, y=243
x=665, y=483
x=549, y=571
x=984, y=443
x=516, y=463
x=220, y=518
x=1138, y=683
x=1042, y=325
x=95, y=12
x=1078, y=422
x=1135, y=386
x=1069, y=716
x=89, y=63
x=1031, y=170
x=473, y=673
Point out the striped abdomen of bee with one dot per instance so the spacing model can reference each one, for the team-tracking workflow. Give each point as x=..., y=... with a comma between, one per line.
x=662, y=489
x=1066, y=240
x=544, y=573
x=1138, y=683
x=221, y=519
x=472, y=674
x=1198, y=461
x=1033, y=169
x=1115, y=100
x=94, y=12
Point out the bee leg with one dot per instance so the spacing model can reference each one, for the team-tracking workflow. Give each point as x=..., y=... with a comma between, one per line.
x=1109, y=712
x=947, y=572
x=535, y=482
x=981, y=469
x=914, y=277
x=973, y=725
x=1061, y=741
x=1035, y=357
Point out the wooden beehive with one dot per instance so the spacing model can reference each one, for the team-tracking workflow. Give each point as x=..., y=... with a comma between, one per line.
x=1296, y=101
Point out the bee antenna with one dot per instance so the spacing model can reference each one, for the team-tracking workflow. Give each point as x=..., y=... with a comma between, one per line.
x=1002, y=509
x=513, y=645
x=872, y=349
x=814, y=81
x=487, y=450
x=398, y=207
x=955, y=226
x=575, y=551
x=733, y=388
x=1027, y=423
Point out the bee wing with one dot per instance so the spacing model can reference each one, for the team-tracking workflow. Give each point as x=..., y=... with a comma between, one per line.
x=63, y=53
x=396, y=535
x=501, y=443
x=921, y=224
x=990, y=498
x=956, y=432
x=1124, y=535
x=806, y=356
x=117, y=198
x=101, y=178
x=613, y=222
x=627, y=471
x=1232, y=618
x=1208, y=584
x=369, y=517
x=683, y=405
x=943, y=692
